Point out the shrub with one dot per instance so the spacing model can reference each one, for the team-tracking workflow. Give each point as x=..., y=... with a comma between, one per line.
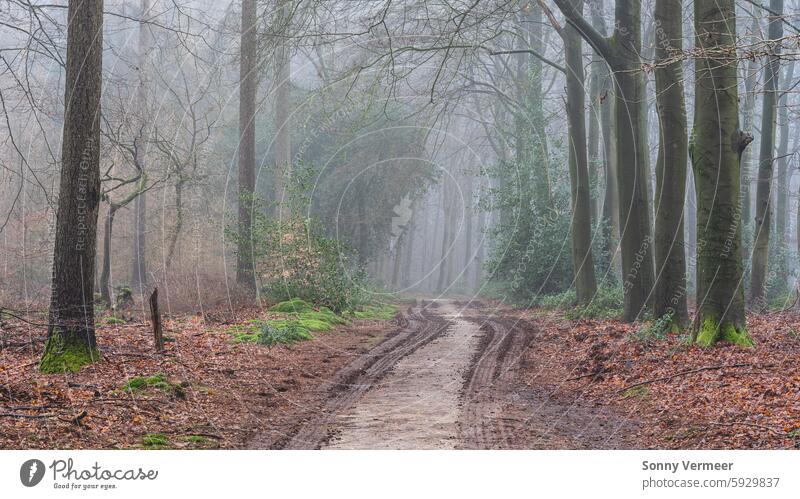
x=607, y=303
x=299, y=263
x=655, y=330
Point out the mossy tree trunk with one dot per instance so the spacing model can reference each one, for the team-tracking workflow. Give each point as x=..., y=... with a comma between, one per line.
x=71, y=338
x=716, y=149
x=670, y=292
x=621, y=52
x=583, y=264
x=763, y=214
x=248, y=83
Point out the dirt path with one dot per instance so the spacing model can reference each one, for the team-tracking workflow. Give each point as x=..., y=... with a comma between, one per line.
x=451, y=378
x=416, y=405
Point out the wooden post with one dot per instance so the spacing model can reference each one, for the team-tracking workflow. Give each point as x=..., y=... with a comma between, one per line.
x=156, y=318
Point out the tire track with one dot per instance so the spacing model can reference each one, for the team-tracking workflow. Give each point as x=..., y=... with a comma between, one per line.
x=357, y=378
x=483, y=425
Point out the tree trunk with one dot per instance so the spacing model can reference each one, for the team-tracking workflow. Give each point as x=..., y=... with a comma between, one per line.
x=176, y=230
x=105, y=275
x=139, y=270
x=248, y=83
x=750, y=79
x=763, y=215
x=622, y=54
x=783, y=179
x=70, y=337
x=670, y=292
x=583, y=264
x=605, y=102
x=716, y=148
x=409, y=247
x=283, y=95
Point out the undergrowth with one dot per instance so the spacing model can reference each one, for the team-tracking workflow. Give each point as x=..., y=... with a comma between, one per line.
x=607, y=303
x=298, y=319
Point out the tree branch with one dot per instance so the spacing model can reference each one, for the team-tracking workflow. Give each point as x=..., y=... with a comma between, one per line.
x=585, y=29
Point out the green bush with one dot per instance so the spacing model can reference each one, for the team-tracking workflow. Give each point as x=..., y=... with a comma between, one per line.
x=654, y=330
x=607, y=303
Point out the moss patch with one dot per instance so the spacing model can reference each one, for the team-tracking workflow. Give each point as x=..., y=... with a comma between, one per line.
x=295, y=305
x=711, y=332
x=381, y=312
x=155, y=441
x=60, y=356
x=287, y=333
x=138, y=383
x=638, y=392
x=294, y=326
x=200, y=442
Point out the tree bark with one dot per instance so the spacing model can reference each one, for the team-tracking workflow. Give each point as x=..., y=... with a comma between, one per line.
x=71, y=338
x=248, y=83
x=621, y=52
x=581, y=227
x=283, y=95
x=670, y=292
x=748, y=113
x=139, y=269
x=716, y=148
x=783, y=179
x=763, y=215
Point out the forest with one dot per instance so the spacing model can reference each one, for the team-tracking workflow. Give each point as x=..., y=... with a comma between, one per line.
x=399, y=224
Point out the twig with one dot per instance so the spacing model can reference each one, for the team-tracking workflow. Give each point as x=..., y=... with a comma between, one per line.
x=596, y=373
x=684, y=373
x=30, y=416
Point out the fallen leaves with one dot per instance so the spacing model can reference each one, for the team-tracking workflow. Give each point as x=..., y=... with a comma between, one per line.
x=716, y=398
x=209, y=394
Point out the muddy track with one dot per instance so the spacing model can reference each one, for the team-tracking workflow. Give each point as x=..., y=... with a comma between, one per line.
x=453, y=377
x=482, y=424
x=421, y=327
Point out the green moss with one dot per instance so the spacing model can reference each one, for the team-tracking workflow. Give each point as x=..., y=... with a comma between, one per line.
x=155, y=441
x=60, y=356
x=288, y=333
x=138, y=383
x=294, y=305
x=325, y=315
x=113, y=321
x=200, y=442
x=381, y=312
x=314, y=324
x=711, y=332
x=638, y=392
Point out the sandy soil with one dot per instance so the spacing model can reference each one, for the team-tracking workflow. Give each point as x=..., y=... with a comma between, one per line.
x=417, y=404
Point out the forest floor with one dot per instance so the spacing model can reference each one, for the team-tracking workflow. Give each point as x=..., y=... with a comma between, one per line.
x=442, y=374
